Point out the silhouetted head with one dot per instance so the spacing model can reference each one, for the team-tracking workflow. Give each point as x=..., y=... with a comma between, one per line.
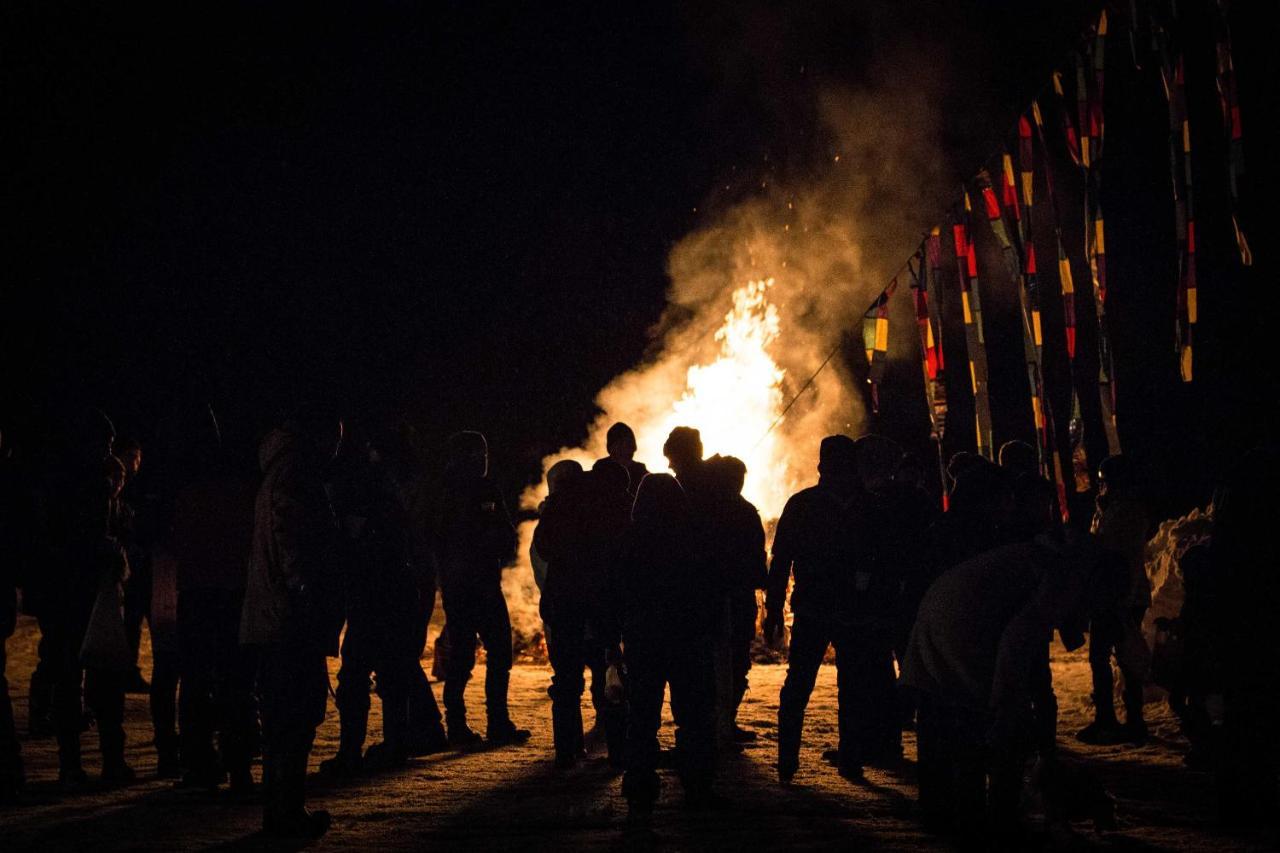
x=610, y=476
x=116, y=475
x=1019, y=458
x=838, y=462
x=878, y=458
x=982, y=494
x=727, y=474
x=660, y=500
x=316, y=424
x=1035, y=505
x=620, y=442
x=962, y=462
x=129, y=452
x=90, y=434
x=562, y=475
x=910, y=471
x=466, y=455
x=683, y=449
x=1115, y=475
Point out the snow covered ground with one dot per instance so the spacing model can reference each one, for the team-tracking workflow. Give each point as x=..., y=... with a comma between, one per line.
x=513, y=798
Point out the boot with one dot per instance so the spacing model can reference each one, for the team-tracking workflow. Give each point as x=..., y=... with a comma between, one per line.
x=455, y=710
x=501, y=730
x=1134, y=730
x=284, y=812
x=1104, y=729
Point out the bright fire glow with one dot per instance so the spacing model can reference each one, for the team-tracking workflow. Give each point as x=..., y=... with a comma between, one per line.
x=733, y=401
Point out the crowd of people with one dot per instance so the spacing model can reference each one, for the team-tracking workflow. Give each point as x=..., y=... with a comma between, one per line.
x=939, y=621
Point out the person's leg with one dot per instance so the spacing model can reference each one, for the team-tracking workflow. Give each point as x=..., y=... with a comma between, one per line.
x=196, y=713
x=1102, y=637
x=742, y=632
x=426, y=726
x=461, y=633
x=163, y=700
x=646, y=683
x=293, y=683
x=1134, y=659
x=1044, y=704
x=104, y=694
x=352, y=697
x=721, y=664
x=11, y=771
x=137, y=606
x=934, y=765
x=495, y=633
x=864, y=675
x=692, y=675
x=566, y=647
x=809, y=641
x=63, y=636
x=43, y=677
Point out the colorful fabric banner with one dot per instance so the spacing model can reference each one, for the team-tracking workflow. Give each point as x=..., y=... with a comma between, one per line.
x=927, y=269
x=929, y=324
x=975, y=341
x=1230, y=104
x=1173, y=76
x=1019, y=253
x=875, y=338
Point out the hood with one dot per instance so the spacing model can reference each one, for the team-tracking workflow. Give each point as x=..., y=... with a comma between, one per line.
x=273, y=445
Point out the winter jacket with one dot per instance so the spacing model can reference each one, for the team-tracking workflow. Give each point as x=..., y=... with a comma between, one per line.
x=213, y=524
x=293, y=591
x=474, y=539
x=982, y=626
x=829, y=541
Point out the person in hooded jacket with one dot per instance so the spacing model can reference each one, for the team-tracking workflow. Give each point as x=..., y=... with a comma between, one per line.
x=668, y=597
x=14, y=551
x=579, y=535
x=825, y=537
x=210, y=539
x=620, y=443
x=382, y=605
x=474, y=541
x=977, y=657
x=293, y=611
x=84, y=561
x=742, y=564
x=1120, y=524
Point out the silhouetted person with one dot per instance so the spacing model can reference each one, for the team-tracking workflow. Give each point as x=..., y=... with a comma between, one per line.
x=1245, y=554
x=475, y=541
x=978, y=515
x=823, y=538
x=976, y=655
x=620, y=442
x=211, y=540
x=81, y=562
x=1018, y=458
x=407, y=475
x=908, y=516
x=1120, y=526
x=683, y=449
x=561, y=477
x=292, y=610
x=382, y=612
x=740, y=558
x=135, y=539
x=579, y=535
x=14, y=518
x=668, y=600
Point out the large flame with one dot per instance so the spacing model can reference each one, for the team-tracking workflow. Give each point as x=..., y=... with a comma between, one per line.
x=734, y=400
x=732, y=395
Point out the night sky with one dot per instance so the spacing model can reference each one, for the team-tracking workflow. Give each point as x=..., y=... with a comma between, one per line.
x=460, y=213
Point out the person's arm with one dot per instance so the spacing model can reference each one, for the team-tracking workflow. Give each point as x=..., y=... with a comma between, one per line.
x=779, y=572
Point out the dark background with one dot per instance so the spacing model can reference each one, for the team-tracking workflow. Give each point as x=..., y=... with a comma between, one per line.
x=459, y=214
